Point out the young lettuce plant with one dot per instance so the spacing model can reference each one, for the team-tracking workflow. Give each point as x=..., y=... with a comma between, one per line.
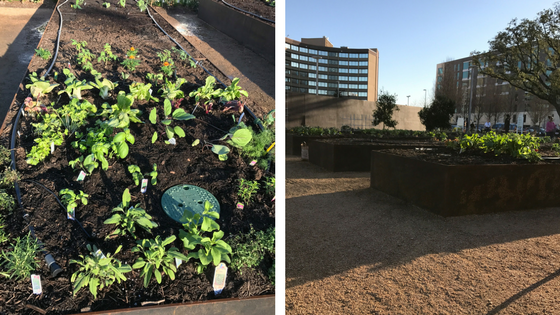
x=171, y=90
x=154, y=78
x=141, y=91
x=121, y=114
x=127, y=218
x=39, y=86
x=156, y=257
x=204, y=95
x=104, y=87
x=74, y=87
x=233, y=92
x=98, y=270
x=178, y=114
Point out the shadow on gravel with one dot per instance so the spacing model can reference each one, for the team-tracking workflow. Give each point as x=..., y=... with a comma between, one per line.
x=348, y=229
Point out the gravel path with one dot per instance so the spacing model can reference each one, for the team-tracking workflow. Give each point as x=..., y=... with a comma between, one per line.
x=353, y=250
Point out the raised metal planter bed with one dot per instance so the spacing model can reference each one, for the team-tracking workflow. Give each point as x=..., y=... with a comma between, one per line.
x=466, y=189
x=250, y=32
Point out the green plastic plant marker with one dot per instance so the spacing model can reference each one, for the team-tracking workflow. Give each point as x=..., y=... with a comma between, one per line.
x=178, y=199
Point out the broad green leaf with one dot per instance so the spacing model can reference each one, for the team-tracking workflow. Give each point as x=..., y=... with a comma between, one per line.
x=166, y=122
x=180, y=114
x=179, y=131
x=209, y=225
x=241, y=137
x=80, y=282
x=169, y=240
x=138, y=264
x=204, y=259
x=154, y=137
x=116, y=218
x=169, y=132
x=216, y=256
x=130, y=138
x=119, y=137
x=222, y=157
x=195, y=142
x=220, y=149
x=122, y=149
x=153, y=116
x=158, y=275
x=126, y=197
x=167, y=107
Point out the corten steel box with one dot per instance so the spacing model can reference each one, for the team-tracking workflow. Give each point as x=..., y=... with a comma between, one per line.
x=466, y=189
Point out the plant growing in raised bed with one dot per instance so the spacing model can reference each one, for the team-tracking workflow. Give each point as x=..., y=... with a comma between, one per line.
x=107, y=54
x=104, y=87
x=136, y=173
x=20, y=261
x=127, y=217
x=168, y=66
x=164, y=124
x=247, y=188
x=131, y=61
x=39, y=86
x=250, y=249
x=204, y=95
x=211, y=250
x=142, y=91
x=156, y=257
x=171, y=90
x=43, y=53
x=97, y=270
x=70, y=199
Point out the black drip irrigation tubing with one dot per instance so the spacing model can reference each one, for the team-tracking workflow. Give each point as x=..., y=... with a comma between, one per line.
x=245, y=108
x=250, y=13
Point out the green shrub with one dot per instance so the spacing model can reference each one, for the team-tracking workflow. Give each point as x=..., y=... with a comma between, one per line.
x=20, y=261
x=250, y=249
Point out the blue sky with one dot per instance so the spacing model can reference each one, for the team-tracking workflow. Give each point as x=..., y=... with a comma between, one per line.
x=412, y=36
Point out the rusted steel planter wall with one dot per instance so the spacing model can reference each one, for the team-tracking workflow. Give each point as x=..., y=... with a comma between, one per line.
x=466, y=189
x=250, y=32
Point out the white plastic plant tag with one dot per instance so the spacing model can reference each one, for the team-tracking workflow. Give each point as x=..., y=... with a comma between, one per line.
x=98, y=253
x=240, y=205
x=71, y=214
x=18, y=134
x=144, y=186
x=240, y=117
x=81, y=176
x=150, y=91
x=220, y=275
x=173, y=141
x=253, y=162
x=273, y=198
x=36, y=283
x=178, y=262
x=52, y=147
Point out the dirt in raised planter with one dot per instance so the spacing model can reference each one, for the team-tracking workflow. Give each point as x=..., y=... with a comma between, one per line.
x=177, y=164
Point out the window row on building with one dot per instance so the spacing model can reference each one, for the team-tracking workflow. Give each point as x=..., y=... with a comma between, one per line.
x=328, y=84
x=330, y=61
x=325, y=77
x=326, y=53
x=325, y=92
x=324, y=69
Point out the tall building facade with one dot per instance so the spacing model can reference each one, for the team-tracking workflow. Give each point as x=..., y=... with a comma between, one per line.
x=314, y=66
x=492, y=99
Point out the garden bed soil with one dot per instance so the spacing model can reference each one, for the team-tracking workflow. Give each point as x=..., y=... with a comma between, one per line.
x=177, y=164
x=425, y=180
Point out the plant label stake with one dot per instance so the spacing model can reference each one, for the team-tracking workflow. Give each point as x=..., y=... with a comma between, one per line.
x=273, y=198
x=99, y=254
x=72, y=214
x=240, y=205
x=253, y=162
x=81, y=176
x=241, y=117
x=36, y=283
x=173, y=141
x=52, y=147
x=178, y=262
x=144, y=186
x=220, y=275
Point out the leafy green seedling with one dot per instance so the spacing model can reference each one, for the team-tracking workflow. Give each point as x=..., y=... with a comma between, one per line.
x=20, y=261
x=104, y=87
x=127, y=217
x=233, y=92
x=171, y=90
x=204, y=95
x=70, y=198
x=43, y=53
x=136, y=173
x=247, y=188
x=156, y=257
x=153, y=174
x=97, y=270
x=39, y=86
x=178, y=114
x=141, y=91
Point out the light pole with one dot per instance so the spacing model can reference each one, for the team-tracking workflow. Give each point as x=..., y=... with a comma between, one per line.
x=425, y=94
x=408, y=100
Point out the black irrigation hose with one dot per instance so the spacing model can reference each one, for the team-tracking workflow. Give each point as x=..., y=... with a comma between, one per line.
x=250, y=13
x=59, y=202
x=255, y=119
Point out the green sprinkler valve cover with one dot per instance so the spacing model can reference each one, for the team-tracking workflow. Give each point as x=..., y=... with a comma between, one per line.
x=178, y=199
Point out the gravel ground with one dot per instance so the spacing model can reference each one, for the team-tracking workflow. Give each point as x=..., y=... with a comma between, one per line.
x=353, y=250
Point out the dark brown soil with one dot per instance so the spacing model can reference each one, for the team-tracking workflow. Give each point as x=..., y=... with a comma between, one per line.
x=448, y=156
x=257, y=7
x=180, y=164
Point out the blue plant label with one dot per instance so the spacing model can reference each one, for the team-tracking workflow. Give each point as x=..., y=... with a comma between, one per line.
x=144, y=186
x=81, y=176
x=220, y=275
x=36, y=283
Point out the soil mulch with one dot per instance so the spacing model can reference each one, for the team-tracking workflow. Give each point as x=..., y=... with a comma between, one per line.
x=177, y=164
x=354, y=250
x=448, y=156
